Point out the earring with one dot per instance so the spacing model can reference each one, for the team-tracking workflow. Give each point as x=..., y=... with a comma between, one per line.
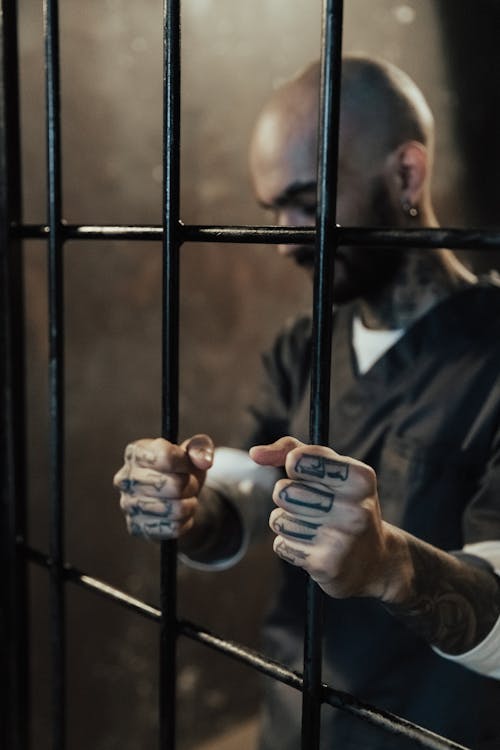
x=408, y=209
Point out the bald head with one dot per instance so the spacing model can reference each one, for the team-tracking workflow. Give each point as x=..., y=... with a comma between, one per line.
x=381, y=108
x=382, y=103
x=385, y=151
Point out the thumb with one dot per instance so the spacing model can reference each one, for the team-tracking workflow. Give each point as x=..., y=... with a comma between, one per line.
x=274, y=454
x=200, y=449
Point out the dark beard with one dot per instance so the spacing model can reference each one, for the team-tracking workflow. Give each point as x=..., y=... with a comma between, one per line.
x=304, y=257
x=368, y=271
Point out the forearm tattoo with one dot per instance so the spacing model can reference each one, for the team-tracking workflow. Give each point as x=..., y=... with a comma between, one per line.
x=321, y=467
x=453, y=605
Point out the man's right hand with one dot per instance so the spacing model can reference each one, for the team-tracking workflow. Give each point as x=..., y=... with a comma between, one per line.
x=160, y=483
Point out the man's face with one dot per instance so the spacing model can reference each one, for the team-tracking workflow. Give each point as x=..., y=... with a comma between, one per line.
x=283, y=165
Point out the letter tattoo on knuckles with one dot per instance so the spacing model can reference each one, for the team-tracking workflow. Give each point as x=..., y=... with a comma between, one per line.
x=161, y=528
x=154, y=529
x=127, y=486
x=289, y=554
x=308, y=497
x=291, y=527
x=321, y=467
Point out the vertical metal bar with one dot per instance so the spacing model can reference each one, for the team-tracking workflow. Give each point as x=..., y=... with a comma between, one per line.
x=170, y=371
x=322, y=333
x=56, y=372
x=14, y=717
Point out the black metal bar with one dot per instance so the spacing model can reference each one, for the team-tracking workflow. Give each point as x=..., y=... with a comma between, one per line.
x=459, y=239
x=14, y=717
x=327, y=234
x=326, y=243
x=170, y=362
x=56, y=371
x=335, y=698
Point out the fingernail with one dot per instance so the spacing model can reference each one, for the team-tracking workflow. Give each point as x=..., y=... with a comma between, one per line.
x=206, y=453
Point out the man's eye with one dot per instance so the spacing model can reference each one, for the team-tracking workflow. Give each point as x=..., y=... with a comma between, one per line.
x=309, y=210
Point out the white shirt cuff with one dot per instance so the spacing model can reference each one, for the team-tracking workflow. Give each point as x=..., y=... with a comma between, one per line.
x=249, y=488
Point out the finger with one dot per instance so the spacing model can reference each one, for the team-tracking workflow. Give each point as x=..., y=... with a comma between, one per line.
x=171, y=510
x=292, y=552
x=121, y=475
x=157, y=529
x=200, y=449
x=161, y=534
x=293, y=527
x=154, y=484
x=158, y=454
x=317, y=463
x=348, y=514
x=304, y=498
x=154, y=529
x=140, y=451
x=274, y=454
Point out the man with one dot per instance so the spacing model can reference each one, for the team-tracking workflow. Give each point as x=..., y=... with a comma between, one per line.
x=416, y=397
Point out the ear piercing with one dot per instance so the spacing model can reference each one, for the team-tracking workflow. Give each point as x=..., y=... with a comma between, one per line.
x=408, y=209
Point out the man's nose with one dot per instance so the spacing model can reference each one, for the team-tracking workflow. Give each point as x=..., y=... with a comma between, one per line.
x=292, y=217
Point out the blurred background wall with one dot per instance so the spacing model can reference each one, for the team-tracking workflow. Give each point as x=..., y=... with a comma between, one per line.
x=233, y=300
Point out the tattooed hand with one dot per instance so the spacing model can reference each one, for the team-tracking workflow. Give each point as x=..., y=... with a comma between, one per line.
x=328, y=519
x=160, y=483
x=328, y=522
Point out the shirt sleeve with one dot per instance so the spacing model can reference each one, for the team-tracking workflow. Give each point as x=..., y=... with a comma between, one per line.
x=247, y=488
x=235, y=482
x=485, y=657
x=482, y=541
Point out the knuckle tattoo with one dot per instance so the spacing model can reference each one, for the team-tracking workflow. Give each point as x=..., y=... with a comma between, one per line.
x=289, y=553
x=134, y=528
x=321, y=467
x=295, y=528
x=148, y=506
x=127, y=485
x=159, y=483
x=308, y=497
x=161, y=528
x=143, y=454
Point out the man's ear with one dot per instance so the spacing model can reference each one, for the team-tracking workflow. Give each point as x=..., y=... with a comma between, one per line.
x=408, y=167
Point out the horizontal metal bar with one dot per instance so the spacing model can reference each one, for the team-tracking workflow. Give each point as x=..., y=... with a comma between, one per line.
x=244, y=234
x=335, y=698
x=74, y=575
x=458, y=239
x=388, y=721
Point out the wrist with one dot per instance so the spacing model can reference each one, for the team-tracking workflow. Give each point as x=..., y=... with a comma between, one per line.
x=216, y=532
x=397, y=567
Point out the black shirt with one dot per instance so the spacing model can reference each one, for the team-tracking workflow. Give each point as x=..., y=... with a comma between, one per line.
x=426, y=417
